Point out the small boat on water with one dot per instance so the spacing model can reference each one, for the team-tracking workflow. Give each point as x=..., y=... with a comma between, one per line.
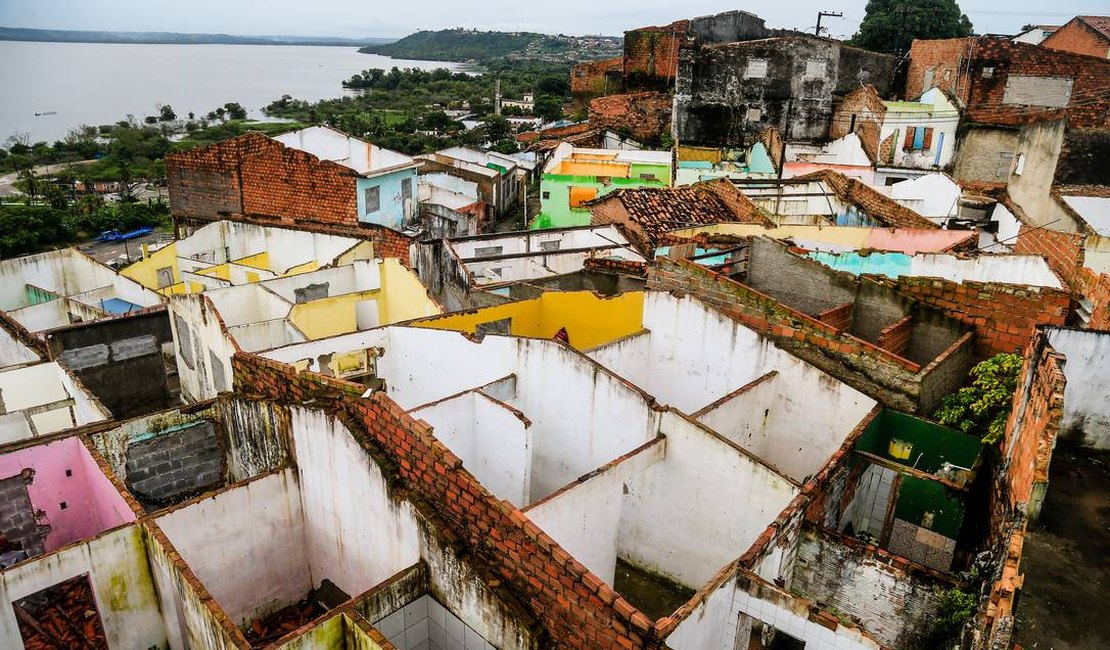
x=45, y=113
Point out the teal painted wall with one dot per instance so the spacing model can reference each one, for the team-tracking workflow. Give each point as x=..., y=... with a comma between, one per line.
x=392, y=208
x=555, y=210
x=891, y=265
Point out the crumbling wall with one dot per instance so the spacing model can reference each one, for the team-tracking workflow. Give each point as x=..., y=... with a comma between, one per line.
x=795, y=281
x=894, y=382
x=643, y=116
x=1086, y=418
x=572, y=606
x=257, y=177
x=985, y=153
x=596, y=78
x=19, y=524
x=726, y=94
x=169, y=467
x=887, y=596
x=119, y=360
x=651, y=54
x=1004, y=316
x=1083, y=157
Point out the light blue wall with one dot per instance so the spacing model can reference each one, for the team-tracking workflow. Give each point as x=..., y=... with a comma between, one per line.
x=392, y=212
x=891, y=265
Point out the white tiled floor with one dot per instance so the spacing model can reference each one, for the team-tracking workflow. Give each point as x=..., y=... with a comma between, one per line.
x=424, y=624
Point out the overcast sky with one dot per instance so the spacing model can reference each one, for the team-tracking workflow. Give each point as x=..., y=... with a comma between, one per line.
x=355, y=18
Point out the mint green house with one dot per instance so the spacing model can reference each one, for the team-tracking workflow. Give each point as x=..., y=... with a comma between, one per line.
x=575, y=176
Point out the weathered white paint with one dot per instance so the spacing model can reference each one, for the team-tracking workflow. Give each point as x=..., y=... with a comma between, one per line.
x=354, y=534
x=1086, y=418
x=701, y=508
x=261, y=520
x=715, y=622
x=122, y=586
x=336, y=146
x=585, y=517
x=1095, y=210
x=13, y=352
x=1096, y=253
x=493, y=442
x=933, y=111
x=933, y=195
x=38, y=385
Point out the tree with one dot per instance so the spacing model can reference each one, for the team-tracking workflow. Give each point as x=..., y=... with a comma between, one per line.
x=235, y=111
x=165, y=113
x=497, y=127
x=892, y=25
x=548, y=107
x=983, y=407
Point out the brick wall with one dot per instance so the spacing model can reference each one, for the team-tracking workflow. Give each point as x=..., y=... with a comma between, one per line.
x=977, y=70
x=645, y=116
x=862, y=106
x=1078, y=37
x=1004, y=316
x=623, y=267
x=894, y=381
x=171, y=467
x=895, y=338
x=18, y=523
x=651, y=54
x=1033, y=425
x=595, y=78
x=838, y=317
x=257, y=177
x=574, y=608
x=891, y=598
x=1062, y=250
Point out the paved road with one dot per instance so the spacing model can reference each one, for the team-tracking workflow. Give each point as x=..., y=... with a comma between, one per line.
x=7, y=187
x=106, y=252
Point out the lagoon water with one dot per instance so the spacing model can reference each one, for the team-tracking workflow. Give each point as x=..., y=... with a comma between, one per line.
x=99, y=83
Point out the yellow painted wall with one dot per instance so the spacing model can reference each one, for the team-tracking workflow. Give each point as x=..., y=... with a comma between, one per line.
x=361, y=251
x=256, y=261
x=221, y=271
x=307, y=267
x=590, y=320
x=145, y=272
x=403, y=297
x=330, y=316
x=704, y=154
x=592, y=168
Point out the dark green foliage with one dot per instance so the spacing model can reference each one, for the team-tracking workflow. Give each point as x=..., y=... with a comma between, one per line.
x=548, y=107
x=955, y=607
x=892, y=25
x=983, y=407
x=122, y=217
x=29, y=228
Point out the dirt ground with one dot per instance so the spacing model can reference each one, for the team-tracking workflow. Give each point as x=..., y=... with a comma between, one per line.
x=1066, y=558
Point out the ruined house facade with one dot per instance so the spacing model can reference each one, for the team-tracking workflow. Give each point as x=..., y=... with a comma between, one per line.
x=726, y=94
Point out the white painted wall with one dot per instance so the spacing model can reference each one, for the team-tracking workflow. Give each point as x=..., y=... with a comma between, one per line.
x=261, y=520
x=582, y=416
x=934, y=195
x=1095, y=210
x=65, y=272
x=492, y=441
x=585, y=518
x=354, y=534
x=532, y=241
x=701, y=508
x=122, y=586
x=1087, y=392
x=205, y=341
x=38, y=385
x=713, y=625
x=13, y=352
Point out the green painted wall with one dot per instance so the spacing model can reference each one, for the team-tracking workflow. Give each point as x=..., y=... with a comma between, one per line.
x=934, y=444
x=555, y=210
x=918, y=496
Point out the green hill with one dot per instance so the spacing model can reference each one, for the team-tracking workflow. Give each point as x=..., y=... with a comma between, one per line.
x=463, y=45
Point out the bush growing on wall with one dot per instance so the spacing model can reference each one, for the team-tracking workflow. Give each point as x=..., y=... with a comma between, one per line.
x=983, y=407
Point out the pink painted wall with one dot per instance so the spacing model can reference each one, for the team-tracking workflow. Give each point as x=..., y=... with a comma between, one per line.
x=93, y=505
x=906, y=240
x=865, y=174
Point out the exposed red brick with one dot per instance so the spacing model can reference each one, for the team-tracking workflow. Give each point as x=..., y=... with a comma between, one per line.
x=644, y=116
x=596, y=78
x=1088, y=35
x=976, y=70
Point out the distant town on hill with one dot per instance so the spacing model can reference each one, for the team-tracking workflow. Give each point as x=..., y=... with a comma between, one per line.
x=464, y=45
x=175, y=38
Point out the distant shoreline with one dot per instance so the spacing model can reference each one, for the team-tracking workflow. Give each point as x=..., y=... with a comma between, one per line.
x=174, y=38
